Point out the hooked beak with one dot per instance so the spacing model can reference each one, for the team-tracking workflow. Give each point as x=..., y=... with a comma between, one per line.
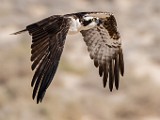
x=98, y=21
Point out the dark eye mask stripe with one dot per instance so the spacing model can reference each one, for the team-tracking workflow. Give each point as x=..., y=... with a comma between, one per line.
x=85, y=23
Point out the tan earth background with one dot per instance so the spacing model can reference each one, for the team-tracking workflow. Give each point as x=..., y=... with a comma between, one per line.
x=76, y=92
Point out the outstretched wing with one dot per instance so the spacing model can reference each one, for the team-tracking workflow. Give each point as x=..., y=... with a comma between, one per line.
x=105, y=49
x=48, y=38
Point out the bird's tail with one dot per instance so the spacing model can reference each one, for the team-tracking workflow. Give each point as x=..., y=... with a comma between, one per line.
x=19, y=32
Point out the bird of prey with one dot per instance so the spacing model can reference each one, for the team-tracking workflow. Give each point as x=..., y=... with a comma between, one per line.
x=99, y=30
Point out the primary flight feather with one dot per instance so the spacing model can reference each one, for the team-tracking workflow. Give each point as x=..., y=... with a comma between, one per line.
x=99, y=30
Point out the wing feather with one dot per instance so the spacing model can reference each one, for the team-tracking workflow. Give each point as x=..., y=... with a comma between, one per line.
x=48, y=38
x=111, y=75
x=116, y=72
x=105, y=77
x=121, y=62
x=104, y=46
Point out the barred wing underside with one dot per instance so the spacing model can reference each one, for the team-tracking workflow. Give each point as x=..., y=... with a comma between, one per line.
x=106, y=52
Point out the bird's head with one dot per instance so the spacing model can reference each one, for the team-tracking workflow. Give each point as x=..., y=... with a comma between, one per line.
x=90, y=22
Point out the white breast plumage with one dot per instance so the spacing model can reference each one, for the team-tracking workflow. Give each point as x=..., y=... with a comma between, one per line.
x=75, y=26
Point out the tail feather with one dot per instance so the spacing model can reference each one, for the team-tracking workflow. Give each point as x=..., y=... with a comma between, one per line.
x=19, y=32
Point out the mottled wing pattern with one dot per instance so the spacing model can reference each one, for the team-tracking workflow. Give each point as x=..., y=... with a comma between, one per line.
x=104, y=46
x=48, y=38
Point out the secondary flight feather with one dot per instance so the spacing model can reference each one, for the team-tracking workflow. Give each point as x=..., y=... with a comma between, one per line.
x=99, y=30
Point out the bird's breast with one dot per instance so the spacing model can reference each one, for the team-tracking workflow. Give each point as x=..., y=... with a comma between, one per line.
x=75, y=26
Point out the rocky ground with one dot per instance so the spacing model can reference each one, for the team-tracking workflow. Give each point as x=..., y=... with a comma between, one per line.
x=76, y=92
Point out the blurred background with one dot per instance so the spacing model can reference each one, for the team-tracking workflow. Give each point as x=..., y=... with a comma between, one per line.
x=77, y=92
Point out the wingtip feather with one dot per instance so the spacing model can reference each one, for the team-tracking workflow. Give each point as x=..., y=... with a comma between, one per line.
x=19, y=32
x=116, y=72
x=111, y=75
x=121, y=62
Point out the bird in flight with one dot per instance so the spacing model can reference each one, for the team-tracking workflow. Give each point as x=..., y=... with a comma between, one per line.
x=99, y=31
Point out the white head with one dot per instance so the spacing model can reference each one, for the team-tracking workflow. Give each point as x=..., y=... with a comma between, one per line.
x=90, y=22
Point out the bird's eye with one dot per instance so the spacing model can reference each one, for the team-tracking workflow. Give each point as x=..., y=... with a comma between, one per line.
x=87, y=22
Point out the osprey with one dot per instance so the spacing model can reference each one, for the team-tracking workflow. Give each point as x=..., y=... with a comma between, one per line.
x=99, y=30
